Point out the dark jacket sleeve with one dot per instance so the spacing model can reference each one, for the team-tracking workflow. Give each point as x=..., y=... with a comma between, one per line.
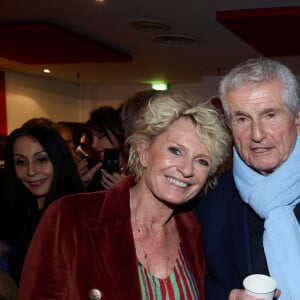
x=223, y=217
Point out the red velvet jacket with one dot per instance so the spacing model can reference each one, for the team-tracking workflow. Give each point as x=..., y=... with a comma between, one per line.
x=85, y=242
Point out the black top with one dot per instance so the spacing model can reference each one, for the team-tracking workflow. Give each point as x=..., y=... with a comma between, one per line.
x=256, y=230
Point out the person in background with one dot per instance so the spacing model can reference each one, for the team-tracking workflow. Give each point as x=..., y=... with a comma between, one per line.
x=104, y=131
x=66, y=133
x=251, y=219
x=216, y=102
x=133, y=108
x=132, y=111
x=39, y=169
x=40, y=122
x=9, y=268
x=135, y=240
x=3, y=186
x=3, y=138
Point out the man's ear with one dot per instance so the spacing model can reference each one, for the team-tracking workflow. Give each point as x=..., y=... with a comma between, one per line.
x=142, y=149
x=297, y=120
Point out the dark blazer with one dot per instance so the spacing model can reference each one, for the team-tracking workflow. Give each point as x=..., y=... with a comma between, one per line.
x=85, y=242
x=223, y=216
x=224, y=219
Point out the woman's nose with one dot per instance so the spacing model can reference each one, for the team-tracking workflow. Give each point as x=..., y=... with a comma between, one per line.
x=31, y=168
x=97, y=144
x=186, y=168
x=94, y=142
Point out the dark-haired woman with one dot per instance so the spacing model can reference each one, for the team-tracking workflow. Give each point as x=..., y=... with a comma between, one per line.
x=40, y=169
x=104, y=131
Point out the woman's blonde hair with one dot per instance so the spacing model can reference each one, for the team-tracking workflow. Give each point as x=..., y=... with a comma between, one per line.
x=162, y=111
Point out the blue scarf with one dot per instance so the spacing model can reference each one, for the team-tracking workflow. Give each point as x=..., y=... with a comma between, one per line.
x=274, y=198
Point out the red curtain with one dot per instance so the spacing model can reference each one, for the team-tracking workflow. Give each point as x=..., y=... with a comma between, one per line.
x=3, y=119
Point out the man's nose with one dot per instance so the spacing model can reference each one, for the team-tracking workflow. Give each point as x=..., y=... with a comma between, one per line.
x=257, y=131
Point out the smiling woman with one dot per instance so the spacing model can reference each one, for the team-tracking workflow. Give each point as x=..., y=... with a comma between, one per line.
x=139, y=227
x=40, y=169
x=33, y=167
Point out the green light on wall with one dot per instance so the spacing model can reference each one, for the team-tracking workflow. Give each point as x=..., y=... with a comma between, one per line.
x=160, y=86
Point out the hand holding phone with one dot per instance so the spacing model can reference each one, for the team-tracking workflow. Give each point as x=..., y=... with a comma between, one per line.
x=111, y=160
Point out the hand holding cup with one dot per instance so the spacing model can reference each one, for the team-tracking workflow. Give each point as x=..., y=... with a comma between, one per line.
x=260, y=286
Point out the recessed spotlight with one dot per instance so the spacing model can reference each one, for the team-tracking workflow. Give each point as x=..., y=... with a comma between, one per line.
x=149, y=25
x=176, y=40
x=47, y=71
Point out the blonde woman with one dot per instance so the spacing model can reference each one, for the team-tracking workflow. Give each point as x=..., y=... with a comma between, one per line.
x=136, y=240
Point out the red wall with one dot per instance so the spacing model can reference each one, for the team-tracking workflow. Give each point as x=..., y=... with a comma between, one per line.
x=3, y=120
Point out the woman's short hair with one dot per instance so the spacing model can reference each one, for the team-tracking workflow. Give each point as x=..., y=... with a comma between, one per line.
x=256, y=71
x=163, y=110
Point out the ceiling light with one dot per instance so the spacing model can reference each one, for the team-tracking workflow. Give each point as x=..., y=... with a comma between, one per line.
x=160, y=86
x=47, y=71
x=176, y=40
x=149, y=25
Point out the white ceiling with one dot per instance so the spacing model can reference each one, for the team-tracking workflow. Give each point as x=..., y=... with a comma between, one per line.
x=107, y=22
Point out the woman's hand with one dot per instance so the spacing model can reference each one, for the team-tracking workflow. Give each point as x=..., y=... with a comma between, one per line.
x=241, y=295
x=109, y=180
x=86, y=174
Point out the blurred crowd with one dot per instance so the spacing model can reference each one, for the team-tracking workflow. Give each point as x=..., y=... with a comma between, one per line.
x=44, y=160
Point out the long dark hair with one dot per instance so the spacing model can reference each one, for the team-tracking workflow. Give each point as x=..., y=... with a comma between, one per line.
x=23, y=204
x=66, y=179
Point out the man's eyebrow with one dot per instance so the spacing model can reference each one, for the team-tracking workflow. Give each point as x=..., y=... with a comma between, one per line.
x=264, y=111
x=240, y=113
x=268, y=110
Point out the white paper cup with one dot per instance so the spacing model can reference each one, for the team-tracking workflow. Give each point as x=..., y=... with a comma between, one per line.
x=260, y=286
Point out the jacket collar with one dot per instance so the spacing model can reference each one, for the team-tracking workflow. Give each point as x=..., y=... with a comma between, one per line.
x=113, y=242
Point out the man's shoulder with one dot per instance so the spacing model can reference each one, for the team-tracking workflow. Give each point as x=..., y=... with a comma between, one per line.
x=226, y=176
x=225, y=184
x=220, y=196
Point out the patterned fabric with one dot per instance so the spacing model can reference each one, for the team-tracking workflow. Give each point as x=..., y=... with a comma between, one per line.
x=179, y=285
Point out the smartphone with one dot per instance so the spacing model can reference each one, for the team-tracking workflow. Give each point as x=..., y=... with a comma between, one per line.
x=111, y=160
